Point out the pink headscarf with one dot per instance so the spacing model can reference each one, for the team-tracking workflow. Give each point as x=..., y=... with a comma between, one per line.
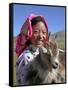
x=26, y=34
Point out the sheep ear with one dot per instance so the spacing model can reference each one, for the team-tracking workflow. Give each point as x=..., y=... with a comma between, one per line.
x=49, y=34
x=55, y=37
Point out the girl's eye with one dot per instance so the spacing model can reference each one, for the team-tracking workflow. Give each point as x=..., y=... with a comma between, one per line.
x=44, y=32
x=35, y=31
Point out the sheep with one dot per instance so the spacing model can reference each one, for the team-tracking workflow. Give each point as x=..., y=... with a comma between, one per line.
x=46, y=68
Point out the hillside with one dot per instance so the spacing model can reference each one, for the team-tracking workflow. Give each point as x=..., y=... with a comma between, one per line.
x=60, y=38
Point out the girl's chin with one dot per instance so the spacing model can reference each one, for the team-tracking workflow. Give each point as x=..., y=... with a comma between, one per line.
x=39, y=45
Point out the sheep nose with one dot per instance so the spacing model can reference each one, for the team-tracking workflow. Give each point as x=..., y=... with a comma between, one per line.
x=55, y=66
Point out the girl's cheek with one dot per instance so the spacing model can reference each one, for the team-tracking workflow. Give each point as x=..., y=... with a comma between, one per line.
x=44, y=38
x=35, y=35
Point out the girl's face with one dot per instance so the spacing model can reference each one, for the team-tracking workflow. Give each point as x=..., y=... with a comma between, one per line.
x=39, y=33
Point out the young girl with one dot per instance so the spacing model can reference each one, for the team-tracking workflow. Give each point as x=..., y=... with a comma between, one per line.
x=33, y=35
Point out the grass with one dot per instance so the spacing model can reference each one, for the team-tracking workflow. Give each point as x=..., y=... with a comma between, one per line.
x=61, y=45
x=14, y=69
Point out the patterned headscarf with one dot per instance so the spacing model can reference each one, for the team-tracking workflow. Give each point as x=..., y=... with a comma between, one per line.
x=26, y=34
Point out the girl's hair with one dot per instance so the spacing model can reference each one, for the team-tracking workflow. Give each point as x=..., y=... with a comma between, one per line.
x=37, y=19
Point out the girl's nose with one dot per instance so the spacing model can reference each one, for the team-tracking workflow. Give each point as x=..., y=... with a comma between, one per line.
x=41, y=35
